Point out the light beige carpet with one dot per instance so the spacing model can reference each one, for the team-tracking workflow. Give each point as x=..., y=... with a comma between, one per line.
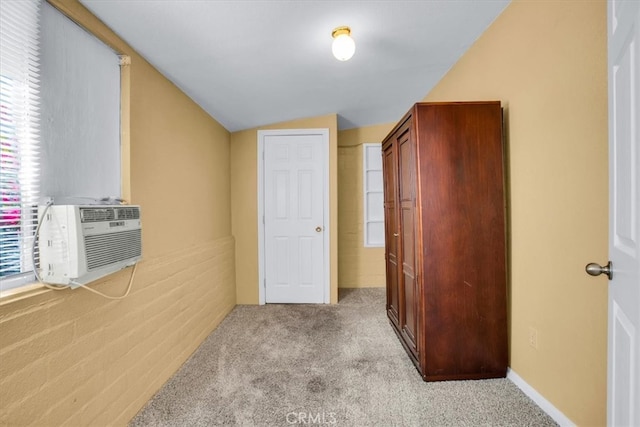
x=280, y=365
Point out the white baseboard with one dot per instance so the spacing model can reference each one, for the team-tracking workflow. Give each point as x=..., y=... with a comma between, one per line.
x=543, y=403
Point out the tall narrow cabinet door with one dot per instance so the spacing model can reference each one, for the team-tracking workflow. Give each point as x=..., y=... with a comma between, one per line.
x=407, y=201
x=390, y=170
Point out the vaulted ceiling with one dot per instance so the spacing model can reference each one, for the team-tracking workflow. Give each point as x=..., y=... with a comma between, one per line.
x=255, y=62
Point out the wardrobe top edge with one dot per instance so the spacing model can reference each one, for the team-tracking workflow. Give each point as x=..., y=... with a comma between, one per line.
x=419, y=105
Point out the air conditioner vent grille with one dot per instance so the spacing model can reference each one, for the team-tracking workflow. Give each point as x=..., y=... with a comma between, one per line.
x=98, y=214
x=105, y=249
x=128, y=213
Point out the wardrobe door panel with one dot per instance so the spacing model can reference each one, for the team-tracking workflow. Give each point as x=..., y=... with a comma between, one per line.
x=406, y=166
x=389, y=164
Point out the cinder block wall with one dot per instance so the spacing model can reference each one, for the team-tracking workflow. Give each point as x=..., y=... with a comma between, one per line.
x=74, y=358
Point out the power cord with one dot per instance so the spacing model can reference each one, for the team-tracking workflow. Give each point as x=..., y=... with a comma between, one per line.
x=133, y=273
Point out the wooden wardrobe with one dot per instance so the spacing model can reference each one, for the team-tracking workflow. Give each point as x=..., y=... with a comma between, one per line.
x=445, y=231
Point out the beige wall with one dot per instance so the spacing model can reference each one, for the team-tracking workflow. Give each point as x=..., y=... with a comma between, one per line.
x=358, y=266
x=244, y=201
x=73, y=357
x=546, y=61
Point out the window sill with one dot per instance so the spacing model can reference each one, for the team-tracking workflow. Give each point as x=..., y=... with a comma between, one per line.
x=17, y=294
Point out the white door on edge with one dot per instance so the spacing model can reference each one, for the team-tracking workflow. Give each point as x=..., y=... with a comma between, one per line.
x=294, y=229
x=623, y=375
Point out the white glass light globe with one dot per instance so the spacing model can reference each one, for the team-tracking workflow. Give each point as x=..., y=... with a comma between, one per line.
x=343, y=47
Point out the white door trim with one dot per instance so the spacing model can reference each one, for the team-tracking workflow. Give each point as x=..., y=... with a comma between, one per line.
x=324, y=133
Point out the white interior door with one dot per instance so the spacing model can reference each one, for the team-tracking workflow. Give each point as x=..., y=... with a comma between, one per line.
x=294, y=217
x=623, y=389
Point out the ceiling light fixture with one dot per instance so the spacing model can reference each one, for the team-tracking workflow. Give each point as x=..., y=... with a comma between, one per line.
x=343, y=46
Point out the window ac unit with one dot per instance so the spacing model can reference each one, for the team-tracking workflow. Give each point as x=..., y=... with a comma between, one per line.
x=80, y=244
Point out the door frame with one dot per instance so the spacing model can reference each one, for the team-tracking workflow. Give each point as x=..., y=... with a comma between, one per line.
x=326, y=268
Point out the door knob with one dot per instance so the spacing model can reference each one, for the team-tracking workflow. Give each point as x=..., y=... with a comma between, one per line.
x=595, y=269
x=318, y=229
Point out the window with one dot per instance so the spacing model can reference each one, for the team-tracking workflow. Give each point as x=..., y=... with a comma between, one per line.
x=373, y=196
x=60, y=124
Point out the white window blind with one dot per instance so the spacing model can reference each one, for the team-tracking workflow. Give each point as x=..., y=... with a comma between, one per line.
x=80, y=112
x=19, y=136
x=373, y=196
